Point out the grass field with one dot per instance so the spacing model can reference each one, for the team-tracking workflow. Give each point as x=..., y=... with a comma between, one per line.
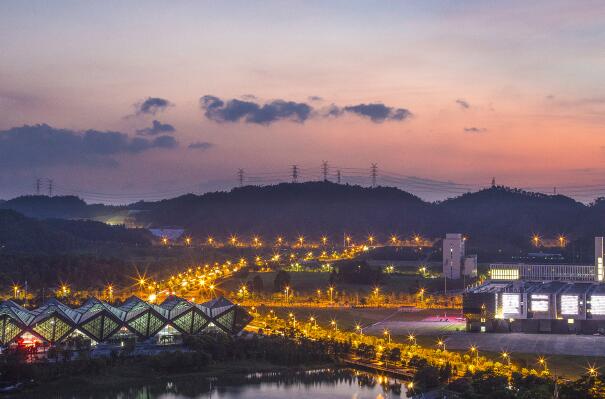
x=305, y=283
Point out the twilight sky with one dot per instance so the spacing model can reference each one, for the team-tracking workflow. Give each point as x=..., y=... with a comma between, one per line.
x=117, y=101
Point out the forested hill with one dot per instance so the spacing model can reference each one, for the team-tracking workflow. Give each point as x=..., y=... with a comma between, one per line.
x=19, y=233
x=496, y=217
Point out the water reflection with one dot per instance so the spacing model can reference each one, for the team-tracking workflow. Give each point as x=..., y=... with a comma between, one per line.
x=320, y=384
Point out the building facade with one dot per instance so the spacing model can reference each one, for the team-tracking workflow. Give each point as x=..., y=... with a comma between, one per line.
x=523, y=297
x=135, y=320
x=453, y=255
x=455, y=261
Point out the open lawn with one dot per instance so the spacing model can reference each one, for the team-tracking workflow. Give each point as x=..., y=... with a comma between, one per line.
x=304, y=283
x=374, y=320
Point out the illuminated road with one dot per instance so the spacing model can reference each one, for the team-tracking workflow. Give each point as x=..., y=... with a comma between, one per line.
x=543, y=344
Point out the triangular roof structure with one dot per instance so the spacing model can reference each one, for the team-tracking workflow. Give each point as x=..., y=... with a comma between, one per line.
x=134, y=306
x=145, y=319
x=16, y=311
x=93, y=305
x=51, y=306
x=99, y=320
x=176, y=305
x=216, y=306
x=53, y=321
x=185, y=316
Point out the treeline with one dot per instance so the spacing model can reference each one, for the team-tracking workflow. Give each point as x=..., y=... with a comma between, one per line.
x=20, y=234
x=83, y=271
x=200, y=354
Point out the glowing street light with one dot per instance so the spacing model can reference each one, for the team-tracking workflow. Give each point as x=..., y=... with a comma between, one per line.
x=536, y=239
x=562, y=240
x=371, y=240
x=412, y=338
x=359, y=328
x=15, y=290
x=387, y=333
x=165, y=240
x=506, y=357
x=331, y=290
x=333, y=324
x=210, y=240
x=543, y=363
x=442, y=344
x=474, y=350
x=188, y=241
x=421, y=295
x=394, y=239
x=287, y=291
x=324, y=240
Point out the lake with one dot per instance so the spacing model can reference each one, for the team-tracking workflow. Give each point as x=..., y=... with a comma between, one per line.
x=316, y=384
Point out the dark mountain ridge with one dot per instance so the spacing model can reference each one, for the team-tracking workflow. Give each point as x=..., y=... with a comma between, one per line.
x=497, y=218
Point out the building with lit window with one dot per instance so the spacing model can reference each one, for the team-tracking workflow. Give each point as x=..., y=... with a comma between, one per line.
x=523, y=297
x=544, y=272
x=455, y=261
x=101, y=322
x=536, y=307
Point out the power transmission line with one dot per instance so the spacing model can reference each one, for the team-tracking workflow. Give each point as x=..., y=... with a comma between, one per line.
x=294, y=173
x=324, y=170
x=374, y=174
x=240, y=177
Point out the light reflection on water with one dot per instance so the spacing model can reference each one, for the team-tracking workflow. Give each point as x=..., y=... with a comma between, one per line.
x=316, y=384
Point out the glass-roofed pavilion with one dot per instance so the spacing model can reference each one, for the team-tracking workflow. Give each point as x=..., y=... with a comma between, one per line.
x=101, y=322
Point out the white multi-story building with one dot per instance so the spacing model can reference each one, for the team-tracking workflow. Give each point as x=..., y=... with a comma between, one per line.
x=453, y=255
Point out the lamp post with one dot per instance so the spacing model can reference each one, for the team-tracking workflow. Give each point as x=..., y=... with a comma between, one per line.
x=287, y=291
x=388, y=335
x=442, y=344
x=359, y=328
x=543, y=363
x=421, y=294
x=506, y=357
x=476, y=351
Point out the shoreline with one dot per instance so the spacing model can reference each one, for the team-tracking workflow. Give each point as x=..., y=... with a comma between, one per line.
x=121, y=377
